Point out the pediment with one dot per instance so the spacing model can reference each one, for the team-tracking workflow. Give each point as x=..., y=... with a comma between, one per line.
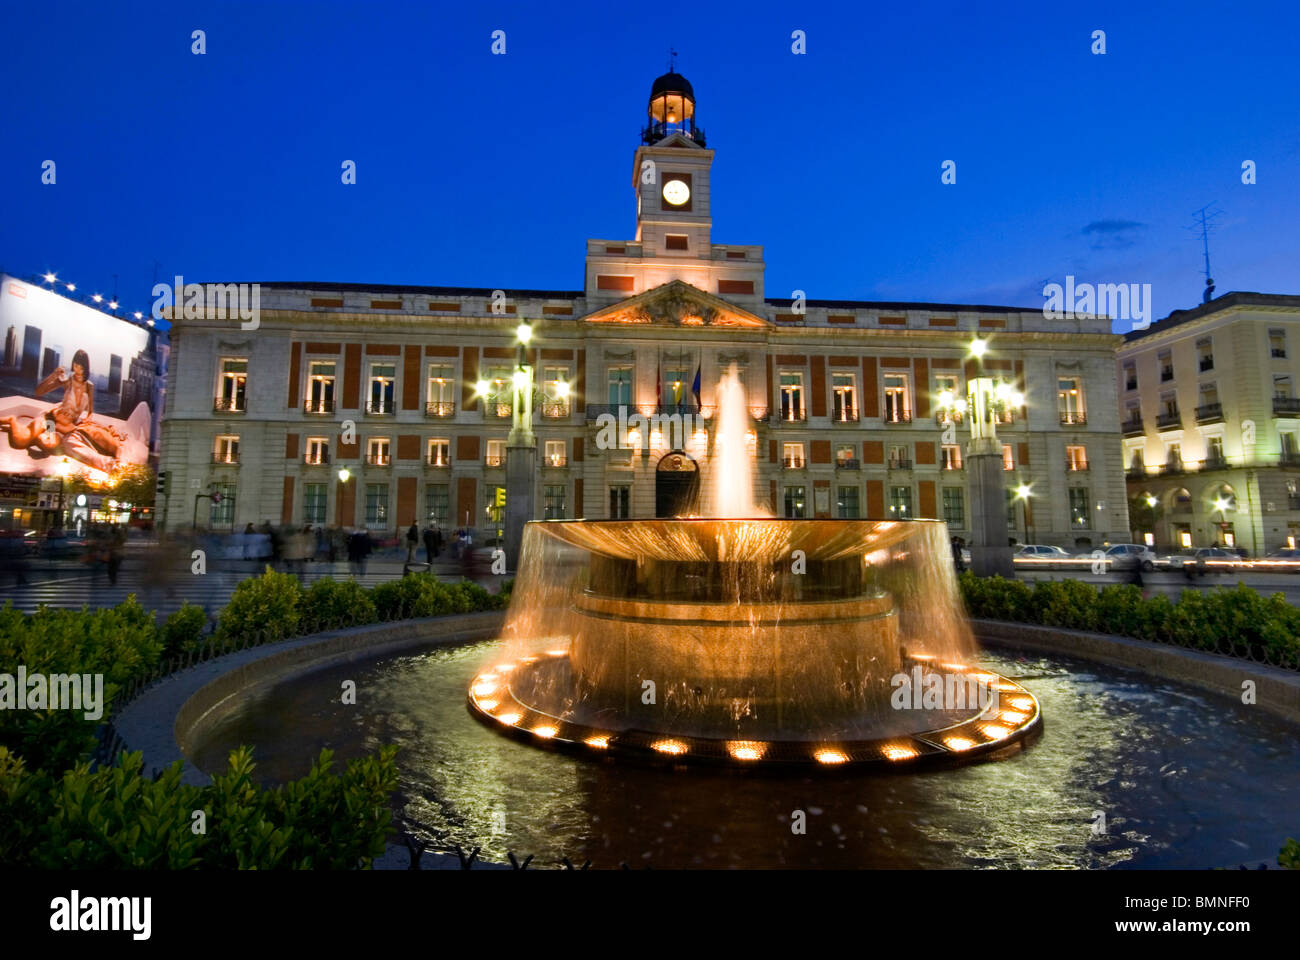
x=677, y=303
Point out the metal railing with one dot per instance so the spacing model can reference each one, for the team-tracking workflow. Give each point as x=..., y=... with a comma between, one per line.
x=555, y=409
x=380, y=408
x=319, y=406
x=848, y=465
x=1286, y=405
x=500, y=409
x=439, y=408
x=230, y=457
x=1068, y=417
x=229, y=405
x=495, y=460
x=317, y=459
x=1075, y=466
x=1165, y=420
x=899, y=463
x=1209, y=412
x=379, y=459
x=898, y=416
x=1133, y=427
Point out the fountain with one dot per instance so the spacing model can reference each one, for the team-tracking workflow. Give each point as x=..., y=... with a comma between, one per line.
x=738, y=638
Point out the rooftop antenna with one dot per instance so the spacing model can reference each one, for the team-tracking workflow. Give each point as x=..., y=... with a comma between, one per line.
x=672, y=60
x=1205, y=218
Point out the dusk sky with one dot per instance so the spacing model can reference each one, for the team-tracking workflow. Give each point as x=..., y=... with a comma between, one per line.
x=492, y=171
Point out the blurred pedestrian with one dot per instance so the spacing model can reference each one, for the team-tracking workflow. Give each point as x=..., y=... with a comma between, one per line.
x=430, y=549
x=115, y=547
x=412, y=542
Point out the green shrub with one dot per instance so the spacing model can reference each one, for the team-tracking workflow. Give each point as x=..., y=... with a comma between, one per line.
x=333, y=604
x=1288, y=857
x=262, y=610
x=182, y=632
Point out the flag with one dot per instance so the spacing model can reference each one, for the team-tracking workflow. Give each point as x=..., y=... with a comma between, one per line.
x=695, y=387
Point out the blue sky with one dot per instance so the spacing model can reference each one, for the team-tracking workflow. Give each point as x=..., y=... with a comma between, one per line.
x=482, y=170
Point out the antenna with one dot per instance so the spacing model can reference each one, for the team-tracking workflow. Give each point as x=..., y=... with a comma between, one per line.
x=672, y=60
x=1205, y=218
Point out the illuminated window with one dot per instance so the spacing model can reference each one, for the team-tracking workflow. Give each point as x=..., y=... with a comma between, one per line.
x=900, y=456
x=1069, y=400
x=440, y=452
x=1076, y=457
x=791, y=395
x=440, y=395
x=318, y=450
x=320, y=386
x=792, y=456
x=500, y=395
x=496, y=453
x=845, y=390
x=232, y=385
x=1008, y=459
x=377, y=452
x=950, y=456
x=845, y=455
x=897, y=407
x=676, y=390
x=555, y=453
x=555, y=397
x=383, y=384
x=795, y=503
x=226, y=449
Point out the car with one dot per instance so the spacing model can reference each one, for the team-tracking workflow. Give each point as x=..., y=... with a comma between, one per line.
x=1041, y=554
x=1126, y=556
x=1286, y=560
x=1205, y=560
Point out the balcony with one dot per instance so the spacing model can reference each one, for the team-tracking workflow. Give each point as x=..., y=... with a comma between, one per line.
x=1072, y=418
x=948, y=416
x=1215, y=462
x=228, y=457
x=555, y=461
x=788, y=415
x=1209, y=413
x=952, y=465
x=660, y=129
x=897, y=416
x=1207, y=363
x=1076, y=466
x=497, y=409
x=1133, y=427
x=381, y=408
x=229, y=405
x=794, y=463
x=1169, y=421
x=440, y=460
x=848, y=465
x=1135, y=473
x=1285, y=405
x=495, y=460
x=1166, y=374
x=320, y=458
x=1131, y=384
x=898, y=463
x=1172, y=469
x=555, y=409
x=379, y=460
x=440, y=408
x=319, y=406
x=1289, y=458
x=844, y=413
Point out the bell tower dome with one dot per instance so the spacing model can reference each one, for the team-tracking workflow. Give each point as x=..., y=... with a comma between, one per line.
x=671, y=110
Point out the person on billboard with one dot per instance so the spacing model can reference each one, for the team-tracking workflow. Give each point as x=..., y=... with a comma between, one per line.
x=70, y=426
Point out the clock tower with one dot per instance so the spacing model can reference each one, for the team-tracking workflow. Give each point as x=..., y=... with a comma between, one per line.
x=674, y=223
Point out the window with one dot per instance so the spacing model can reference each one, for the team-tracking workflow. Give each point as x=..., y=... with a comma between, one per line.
x=440, y=452
x=496, y=453
x=1205, y=354
x=792, y=456
x=900, y=457
x=1281, y=387
x=1133, y=413
x=377, y=505
x=620, y=502
x=1209, y=400
x=383, y=384
x=1174, y=456
x=318, y=450
x=1137, y=461
x=555, y=392
x=313, y=502
x=500, y=395
x=845, y=390
x=846, y=503
x=437, y=503
x=794, y=503
x=846, y=456
x=555, y=453
x=900, y=502
x=1277, y=343
x=440, y=392
x=1076, y=457
x=1079, y=516
x=221, y=509
x=954, y=507
x=377, y=452
x=620, y=386
x=1165, y=362
x=1008, y=459
x=226, y=449
x=1069, y=400
x=791, y=395
x=1289, y=449
x=320, y=386
x=231, y=388
x=674, y=241
x=1130, y=376
x=1169, y=403
x=897, y=408
x=1214, y=452
x=950, y=456
x=555, y=501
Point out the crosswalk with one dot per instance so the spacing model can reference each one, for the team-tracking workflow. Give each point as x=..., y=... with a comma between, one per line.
x=212, y=590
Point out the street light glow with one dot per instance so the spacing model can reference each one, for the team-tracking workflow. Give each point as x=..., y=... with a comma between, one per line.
x=521, y=379
x=344, y=474
x=1221, y=504
x=1151, y=500
x=978, y=348
x=524, y=332
x=50, y=278
x=481, y=388
x=1022, y=492
x=561, y=389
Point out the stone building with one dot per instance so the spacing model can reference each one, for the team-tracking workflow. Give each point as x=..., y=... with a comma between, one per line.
x=1210, y=422
x=383, y=382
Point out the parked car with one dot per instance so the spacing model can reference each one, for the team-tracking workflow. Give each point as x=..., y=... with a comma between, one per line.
x=1042, y=555
x=1126, y=556
x=1206, y=560
x=1286, y=560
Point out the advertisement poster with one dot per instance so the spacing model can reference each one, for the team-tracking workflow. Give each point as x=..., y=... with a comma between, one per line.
x=77, y=386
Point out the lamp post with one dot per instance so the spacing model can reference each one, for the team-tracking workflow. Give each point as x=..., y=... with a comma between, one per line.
x=990, y=553
x=521, y=452
x=1221, y=504
x=1023, y=494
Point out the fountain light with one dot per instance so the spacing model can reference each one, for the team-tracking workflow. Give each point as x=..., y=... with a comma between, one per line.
x=546, y=732
x=747, y=749
x=556, y=653
x=673, y=747
x=488, y=705
x=510, y=719
x=829, y=756
x=504, y=667
x=899, y=753
x=958, y=667
x=995, y=731
x=1022, y=703
x=959, y=743
x=1011, y=716
x=599, y=743
x=484, y=689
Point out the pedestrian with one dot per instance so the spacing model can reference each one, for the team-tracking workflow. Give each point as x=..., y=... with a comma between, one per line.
x=354, y=553
x=116, y=546
x=437, y=540
x=430, y=548
x=412, y=542
x=366, y=547
x=956, y=555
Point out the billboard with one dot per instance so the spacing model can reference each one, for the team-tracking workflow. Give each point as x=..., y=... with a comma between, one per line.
x=77, y=386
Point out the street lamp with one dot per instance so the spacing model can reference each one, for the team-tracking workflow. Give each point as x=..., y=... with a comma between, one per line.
x=1222, y=504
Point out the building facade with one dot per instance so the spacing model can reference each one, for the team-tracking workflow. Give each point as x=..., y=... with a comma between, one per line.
x=372, y=405
x=1211, y=424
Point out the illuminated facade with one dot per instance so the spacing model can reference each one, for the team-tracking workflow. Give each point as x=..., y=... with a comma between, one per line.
x=1211, y=424
x=385, y=382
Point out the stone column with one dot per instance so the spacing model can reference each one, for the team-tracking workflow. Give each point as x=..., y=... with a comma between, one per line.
x=521, y=465
x=989, y=552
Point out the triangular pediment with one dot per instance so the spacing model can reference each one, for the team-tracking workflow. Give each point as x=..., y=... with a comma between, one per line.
x=677, y=303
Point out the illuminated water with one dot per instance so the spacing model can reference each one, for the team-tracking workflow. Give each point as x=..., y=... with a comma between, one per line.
x=1184, y=779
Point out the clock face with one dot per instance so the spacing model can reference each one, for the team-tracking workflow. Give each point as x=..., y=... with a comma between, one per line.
x=676, y=192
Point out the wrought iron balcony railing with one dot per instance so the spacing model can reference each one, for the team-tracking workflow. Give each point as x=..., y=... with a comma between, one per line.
x=1166, y=421
x=848, y=465
x=320, y=405
x=555, y=409
x=229, y=405
x=1286, y=405
x=1133, y=427
x=439, y=408
x=1071, y=417
x=1209, y=413
x=318, y=459
x=226, y=456
x=380, y=408
x=379, y=459
x=898, y=463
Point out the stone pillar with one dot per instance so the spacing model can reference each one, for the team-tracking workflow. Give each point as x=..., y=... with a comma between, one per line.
x=989, y=550
x=521, y=498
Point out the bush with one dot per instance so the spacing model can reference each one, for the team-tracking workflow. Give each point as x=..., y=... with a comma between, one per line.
x=182, y=632
x=262, y=610
x=333, y=604
x=1288, y=857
